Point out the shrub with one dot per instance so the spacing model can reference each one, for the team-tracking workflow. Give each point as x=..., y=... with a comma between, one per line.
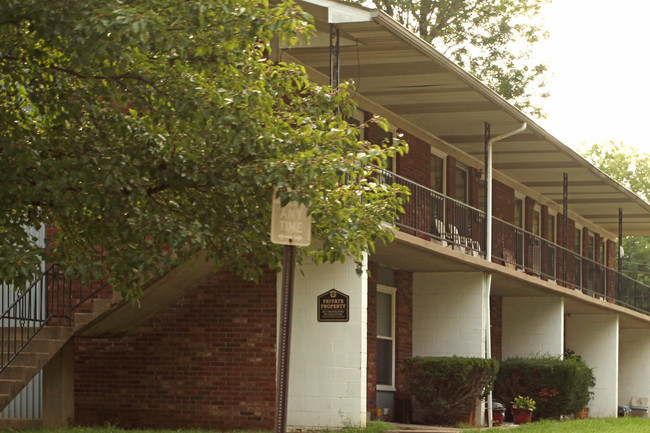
x=447, y=387
x=558, y=386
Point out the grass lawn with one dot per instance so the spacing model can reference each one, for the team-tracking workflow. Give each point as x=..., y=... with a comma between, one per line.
x=375, y=427
x=594, y=425
x=608, y=425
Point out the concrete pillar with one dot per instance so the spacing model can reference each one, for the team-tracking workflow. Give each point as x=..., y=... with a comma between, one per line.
x=58, y=389
x=634, y=368
x=595, y=338
x=328, y=364
x=449, y=314
x=532, y=326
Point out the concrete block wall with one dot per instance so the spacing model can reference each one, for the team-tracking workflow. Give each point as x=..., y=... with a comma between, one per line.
x=633, y=367
x=327, y=379
x=532, y=326
x=595, y=337
x=449, y=314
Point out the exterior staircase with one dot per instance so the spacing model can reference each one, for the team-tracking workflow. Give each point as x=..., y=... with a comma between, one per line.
x=29, y=342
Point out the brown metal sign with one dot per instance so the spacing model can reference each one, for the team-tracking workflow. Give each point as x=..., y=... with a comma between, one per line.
x=333, y=306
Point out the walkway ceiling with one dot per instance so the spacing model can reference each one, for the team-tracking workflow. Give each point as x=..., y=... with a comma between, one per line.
x=406, y=78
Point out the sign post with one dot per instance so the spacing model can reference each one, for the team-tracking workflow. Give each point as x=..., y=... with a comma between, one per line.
x=291, y=227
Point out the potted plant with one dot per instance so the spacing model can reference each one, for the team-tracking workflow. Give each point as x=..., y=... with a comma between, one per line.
x=522, y=409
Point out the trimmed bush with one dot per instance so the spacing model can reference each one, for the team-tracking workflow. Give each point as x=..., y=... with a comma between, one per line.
x=559, y=387
x=447, y=387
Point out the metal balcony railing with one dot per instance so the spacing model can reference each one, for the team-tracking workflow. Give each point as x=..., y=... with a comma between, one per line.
x=441, y=219
x=432, y=215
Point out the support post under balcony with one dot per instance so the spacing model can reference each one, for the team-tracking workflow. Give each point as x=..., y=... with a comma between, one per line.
x=565, y=222
x=619, y=257
x=334, y=57
x=488, y=163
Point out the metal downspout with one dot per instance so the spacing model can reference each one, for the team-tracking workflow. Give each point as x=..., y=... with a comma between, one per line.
x=488, y=338
x=488, y=246
x=488, y=181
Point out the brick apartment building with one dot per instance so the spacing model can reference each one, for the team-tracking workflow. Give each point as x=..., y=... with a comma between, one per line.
x=200, y=351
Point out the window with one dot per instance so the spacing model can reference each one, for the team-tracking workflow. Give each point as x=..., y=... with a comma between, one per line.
x=385, y=338
x=537, y=220
x=602, y=253
x=576, y=241
x=461, y=183
x=551, y=228
x=437, y=173
x=591, y=245
x=481, y=194
x=519, y=212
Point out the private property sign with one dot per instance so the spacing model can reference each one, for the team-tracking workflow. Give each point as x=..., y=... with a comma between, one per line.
x=290, y=224
x=333, y=306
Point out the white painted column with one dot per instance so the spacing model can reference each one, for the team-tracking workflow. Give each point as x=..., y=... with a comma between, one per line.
x=634, y=368
x=450, y=311
x=449, y=314
x=532, y=326
x=595, y=338
x=328, y=361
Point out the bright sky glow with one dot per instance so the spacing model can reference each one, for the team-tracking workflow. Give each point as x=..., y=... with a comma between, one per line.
x=598, y=53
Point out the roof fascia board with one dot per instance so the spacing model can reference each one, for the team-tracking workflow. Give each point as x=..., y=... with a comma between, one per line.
x=340, y=12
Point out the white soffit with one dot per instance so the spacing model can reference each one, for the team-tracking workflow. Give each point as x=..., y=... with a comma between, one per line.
x=397, y=70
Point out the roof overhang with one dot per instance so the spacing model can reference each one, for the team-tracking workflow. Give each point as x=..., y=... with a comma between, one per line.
x=403, y=78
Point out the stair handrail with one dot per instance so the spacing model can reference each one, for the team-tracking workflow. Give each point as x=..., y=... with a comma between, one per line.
x=57, y=300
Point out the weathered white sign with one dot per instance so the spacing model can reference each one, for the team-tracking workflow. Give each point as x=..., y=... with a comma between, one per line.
x=290, y=224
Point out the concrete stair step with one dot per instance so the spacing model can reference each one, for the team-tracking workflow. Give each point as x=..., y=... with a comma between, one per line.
x=12, y=386
x=30, y=360
x=37, y=345
x=17, y=372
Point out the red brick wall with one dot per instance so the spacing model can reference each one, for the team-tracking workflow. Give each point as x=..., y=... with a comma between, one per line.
x=416, y=164
x=496, y=326
x=208, y=361
x=473, y=186
x=503, y=202
x=403, y=326
x=403, y=331
x=571, y=271
x=371, y=389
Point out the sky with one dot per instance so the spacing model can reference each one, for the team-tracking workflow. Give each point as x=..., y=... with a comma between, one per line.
x=600, y=88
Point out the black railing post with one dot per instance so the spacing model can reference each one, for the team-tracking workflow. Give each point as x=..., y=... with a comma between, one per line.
x=565, y=221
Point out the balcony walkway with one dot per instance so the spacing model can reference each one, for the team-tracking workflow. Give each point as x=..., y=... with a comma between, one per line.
x=444, y=221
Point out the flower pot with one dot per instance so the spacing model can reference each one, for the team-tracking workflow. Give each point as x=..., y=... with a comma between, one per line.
x=497, y=415
x=521, y=416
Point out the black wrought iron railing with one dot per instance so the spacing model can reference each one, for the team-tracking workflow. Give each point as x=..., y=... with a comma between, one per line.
x=26, y=312
x=435, y=216
x=430, y=214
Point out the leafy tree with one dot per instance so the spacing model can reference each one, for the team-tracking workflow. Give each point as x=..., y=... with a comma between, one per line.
x=146, y=131
x=631, y=168
x=491, y=39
